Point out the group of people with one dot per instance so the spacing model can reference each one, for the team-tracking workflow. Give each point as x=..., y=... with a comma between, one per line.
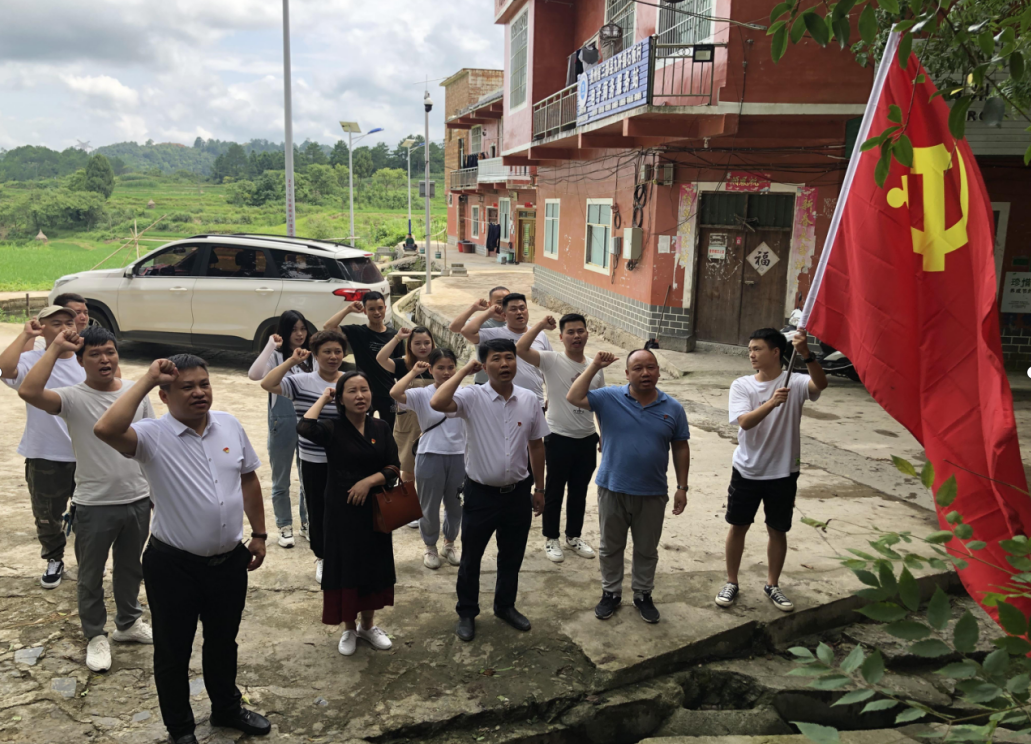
x=166, y=497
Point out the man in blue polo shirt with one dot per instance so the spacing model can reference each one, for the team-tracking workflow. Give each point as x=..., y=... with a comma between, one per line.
x=639, y=424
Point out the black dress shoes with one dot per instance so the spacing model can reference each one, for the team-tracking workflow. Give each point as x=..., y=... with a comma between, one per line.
x=466, y=630
x=243, y=720
x=513, y=617
x=184, y=739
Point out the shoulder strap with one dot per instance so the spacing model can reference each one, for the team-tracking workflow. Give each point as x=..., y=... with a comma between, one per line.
x=434, y=426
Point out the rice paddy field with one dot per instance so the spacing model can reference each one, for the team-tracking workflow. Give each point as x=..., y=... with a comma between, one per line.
x=183, y=209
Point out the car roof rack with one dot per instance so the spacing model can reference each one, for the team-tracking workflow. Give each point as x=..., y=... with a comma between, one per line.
x=308, y=243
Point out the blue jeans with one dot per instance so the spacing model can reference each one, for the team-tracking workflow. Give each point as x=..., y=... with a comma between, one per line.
x=282, y=451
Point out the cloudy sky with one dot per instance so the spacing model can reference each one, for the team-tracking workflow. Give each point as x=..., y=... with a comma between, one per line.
x=169, y=70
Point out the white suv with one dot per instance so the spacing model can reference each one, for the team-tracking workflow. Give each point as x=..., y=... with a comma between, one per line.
x=225, y=291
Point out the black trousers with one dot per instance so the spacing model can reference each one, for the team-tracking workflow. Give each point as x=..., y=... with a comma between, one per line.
x=485, y=511
x=182, y=588
x=570, y=464
x=313, y=476
x=385, y=406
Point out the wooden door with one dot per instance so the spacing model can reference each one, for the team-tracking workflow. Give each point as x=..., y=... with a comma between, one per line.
x=762, y=296
x=460, y=209
x=527, y=235
x=721, y=253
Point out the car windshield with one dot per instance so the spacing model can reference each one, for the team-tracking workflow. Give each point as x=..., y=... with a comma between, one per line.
x=361, y=270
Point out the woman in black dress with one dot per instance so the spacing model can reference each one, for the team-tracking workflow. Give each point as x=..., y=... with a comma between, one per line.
x=358, y=576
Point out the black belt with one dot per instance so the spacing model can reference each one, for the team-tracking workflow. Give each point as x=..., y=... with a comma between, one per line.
x=207, y=560
x=500, y=489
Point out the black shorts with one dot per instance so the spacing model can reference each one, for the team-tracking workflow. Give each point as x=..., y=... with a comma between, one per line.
x=777, y=496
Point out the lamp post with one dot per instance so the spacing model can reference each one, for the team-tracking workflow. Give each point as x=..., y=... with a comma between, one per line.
x=289, y=144
x=409, y=143
x=427, y=104
x=352, y=128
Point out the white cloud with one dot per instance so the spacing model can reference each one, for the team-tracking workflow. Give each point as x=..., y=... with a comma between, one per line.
x=110, y=70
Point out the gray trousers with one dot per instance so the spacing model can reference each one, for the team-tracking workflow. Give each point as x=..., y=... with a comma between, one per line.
x=643, y=517
x=439, y=478
x=122, y=530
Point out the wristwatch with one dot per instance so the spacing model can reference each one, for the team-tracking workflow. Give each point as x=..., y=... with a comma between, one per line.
x=810, y=359
x=682, y=488
x=259, y=535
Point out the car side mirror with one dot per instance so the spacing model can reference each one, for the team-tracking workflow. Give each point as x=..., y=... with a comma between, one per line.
x=128, y=273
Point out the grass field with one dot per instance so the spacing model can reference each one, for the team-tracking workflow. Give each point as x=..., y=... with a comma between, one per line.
x=189, y=209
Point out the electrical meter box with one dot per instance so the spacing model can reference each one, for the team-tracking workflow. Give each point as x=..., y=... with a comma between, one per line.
x=632, y=237
x=422, y=189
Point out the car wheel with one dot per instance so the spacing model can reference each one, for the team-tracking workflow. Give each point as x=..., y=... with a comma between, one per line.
x=98, y=318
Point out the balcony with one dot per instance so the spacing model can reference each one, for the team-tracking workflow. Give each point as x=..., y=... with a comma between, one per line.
x=493, y=171
x=464, y=179
x=652, y=75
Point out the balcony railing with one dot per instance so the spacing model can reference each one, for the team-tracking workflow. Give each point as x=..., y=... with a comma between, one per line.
x=676, y=78
x=492, y=170
x=555, y=114
x=464, y=179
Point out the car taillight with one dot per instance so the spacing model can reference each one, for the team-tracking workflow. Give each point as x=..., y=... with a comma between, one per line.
x=350, y=294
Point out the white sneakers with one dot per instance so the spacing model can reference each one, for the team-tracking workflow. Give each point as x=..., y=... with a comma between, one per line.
x=98, y=654
x=348, y=643
x=303, y=532
x=373, y=636
x=553, y=550
x=579, y=547
x=138, y=632
x=286, y=537
x=414, y=525
x=318, y=571
x=450, y=554
x=430, y=559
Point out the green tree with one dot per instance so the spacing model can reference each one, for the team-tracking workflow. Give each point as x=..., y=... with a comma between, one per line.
x=363, y=166
x=100, y=177
x=323, y=179
x=338, y=155
x=198, y=143
x=380, y=156
x=318, y=227
x=313, y=154
x=118, y=166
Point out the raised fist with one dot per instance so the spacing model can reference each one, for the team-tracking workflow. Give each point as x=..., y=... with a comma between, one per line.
x=404, y=333
x=163, y=372
x=603, y=359
x=550, y=323
x=33, y=328
x=329, y=393
x=421, y=367
x=481, y=305
x=357, y=307
x=299, y=355
x=68, y=340
x=278, y=340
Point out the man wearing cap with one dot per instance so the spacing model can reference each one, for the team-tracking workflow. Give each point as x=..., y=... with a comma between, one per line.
x=45, y=444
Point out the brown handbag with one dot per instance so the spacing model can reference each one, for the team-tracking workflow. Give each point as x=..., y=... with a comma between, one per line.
x=397, y=506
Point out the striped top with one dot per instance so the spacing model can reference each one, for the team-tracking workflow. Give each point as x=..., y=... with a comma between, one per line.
x=304, y=389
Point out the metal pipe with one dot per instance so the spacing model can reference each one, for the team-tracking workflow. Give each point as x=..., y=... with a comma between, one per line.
x=288, y=114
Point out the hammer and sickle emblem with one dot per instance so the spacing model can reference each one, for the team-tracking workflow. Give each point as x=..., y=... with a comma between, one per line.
x=935, y=240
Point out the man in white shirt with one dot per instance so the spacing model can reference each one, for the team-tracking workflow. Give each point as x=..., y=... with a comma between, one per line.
x=766, y=460
x=201, y=468
x=45, y=444
x=111, y=503
x=571, y=448
x=514, y=312
x=505, y=428
x=494, y=297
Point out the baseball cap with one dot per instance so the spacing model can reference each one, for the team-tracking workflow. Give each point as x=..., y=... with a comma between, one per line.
x=52, y=310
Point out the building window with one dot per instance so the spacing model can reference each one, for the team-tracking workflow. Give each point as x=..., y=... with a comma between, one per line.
x=476, y=140
x=520, y=33
x=676, y=27
x=476, y=222
x=599, y=230
x=551, y=212
x=621, y=13
x=505, y=217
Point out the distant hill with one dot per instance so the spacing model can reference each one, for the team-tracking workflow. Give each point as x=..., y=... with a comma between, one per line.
x=168, y=157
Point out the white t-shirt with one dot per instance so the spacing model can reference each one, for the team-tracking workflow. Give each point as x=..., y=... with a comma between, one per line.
x=446, y=439
x=771, y=449
x=527, y=376
x=560, y=372
x=45, y=436
x=102, y=475
x=304, y=389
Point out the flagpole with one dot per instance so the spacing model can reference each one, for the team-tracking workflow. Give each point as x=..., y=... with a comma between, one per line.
x=853, y=166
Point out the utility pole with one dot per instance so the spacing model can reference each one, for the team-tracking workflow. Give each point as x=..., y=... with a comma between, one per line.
x=428, y=105
x=409, y=144
x=289, y=144
x=350, y=186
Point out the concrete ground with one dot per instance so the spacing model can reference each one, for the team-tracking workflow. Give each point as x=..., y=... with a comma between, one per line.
x=431, y=684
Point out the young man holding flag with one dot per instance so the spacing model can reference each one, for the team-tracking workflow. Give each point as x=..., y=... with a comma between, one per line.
x=768, y=408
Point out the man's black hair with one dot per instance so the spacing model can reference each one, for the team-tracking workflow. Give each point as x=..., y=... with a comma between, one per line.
x=373, y=295
x=64, y=299
x=491, y=293
x=184, y=362
x=639, y=351
x=495, y=344
x=512, y=297
x=437, y=354
x=570, y=318
x=774, y=339
x=94, y=336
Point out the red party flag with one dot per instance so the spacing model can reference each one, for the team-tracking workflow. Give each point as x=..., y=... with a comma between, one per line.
x=906, y=288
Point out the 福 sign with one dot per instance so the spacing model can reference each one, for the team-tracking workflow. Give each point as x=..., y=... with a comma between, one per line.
x=614, y=85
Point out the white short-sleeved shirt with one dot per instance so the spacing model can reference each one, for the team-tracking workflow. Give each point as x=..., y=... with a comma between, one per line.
x=527, y=375
x=446, y=439
x=772, y=448
x=560, y=372
x=102, y=476
x=498, y=432
x=45, y=436
x=304, y=390
x=195, y=481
